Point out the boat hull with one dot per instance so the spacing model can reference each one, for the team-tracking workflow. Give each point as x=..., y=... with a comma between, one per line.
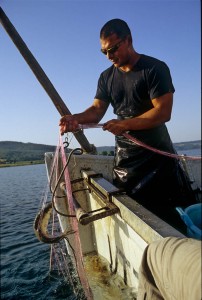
x=119, y=238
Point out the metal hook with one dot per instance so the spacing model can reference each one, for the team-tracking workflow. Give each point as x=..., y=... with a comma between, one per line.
x=66, y=143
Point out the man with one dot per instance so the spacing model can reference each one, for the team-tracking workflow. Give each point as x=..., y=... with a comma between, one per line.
x=171, y=269
x=140, y=90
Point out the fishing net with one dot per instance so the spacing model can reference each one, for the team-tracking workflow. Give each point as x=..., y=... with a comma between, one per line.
x=75, y=240
x=66, y=253
x=69, y=263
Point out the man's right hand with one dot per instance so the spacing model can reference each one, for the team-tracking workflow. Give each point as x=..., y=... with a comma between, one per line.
x=68, y=123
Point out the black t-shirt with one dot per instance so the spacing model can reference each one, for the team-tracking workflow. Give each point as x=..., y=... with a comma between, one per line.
x=130, y=93
x=151, y=178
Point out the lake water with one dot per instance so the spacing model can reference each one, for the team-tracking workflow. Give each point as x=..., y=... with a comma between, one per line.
x=191, y=152
x=24, y=260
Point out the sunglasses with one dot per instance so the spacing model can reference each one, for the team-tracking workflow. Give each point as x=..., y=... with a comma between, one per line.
x=111, y=50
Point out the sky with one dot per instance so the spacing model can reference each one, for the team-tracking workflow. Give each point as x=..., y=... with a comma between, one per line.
x=63, y=35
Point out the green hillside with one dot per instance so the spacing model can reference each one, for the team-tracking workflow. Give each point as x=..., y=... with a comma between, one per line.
x=188, y=145
x=16, y=152
x=12, y=152
x=178, y=146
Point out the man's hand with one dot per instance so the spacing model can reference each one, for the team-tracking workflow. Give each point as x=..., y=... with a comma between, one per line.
x=117, y=127
x=68, y=123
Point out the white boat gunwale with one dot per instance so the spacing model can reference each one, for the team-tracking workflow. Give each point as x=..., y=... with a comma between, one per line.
x=120, y=238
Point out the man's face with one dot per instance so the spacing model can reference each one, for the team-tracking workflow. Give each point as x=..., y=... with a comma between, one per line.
x=116, y=49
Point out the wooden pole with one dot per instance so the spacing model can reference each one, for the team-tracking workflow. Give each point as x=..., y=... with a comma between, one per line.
x=42, y=78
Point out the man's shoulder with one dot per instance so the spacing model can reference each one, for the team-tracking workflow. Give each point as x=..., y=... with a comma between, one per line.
x=150, y=61
x=107, y=72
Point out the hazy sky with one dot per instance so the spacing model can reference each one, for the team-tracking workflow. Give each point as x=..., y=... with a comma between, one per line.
x=64, y=38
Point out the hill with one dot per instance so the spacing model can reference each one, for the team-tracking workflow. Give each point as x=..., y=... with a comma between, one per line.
x=18, y=151
x=12, y=152
x=178, y=146
x=188, y=145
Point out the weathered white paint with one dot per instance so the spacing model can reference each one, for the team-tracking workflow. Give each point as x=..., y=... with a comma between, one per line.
x=121, y=238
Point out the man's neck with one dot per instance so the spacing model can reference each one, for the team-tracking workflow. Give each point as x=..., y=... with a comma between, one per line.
x=131, y=63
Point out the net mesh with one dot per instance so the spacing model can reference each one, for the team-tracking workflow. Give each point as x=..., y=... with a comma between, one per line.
x=75, y=240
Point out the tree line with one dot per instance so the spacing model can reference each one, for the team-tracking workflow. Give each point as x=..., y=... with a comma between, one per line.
x=12, y=152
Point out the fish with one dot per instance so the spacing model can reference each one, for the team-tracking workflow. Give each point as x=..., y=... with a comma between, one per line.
x=41, y=223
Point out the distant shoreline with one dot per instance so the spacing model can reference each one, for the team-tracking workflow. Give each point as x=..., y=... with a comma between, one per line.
x=37, y=162
x=14, y=154
x=22, y=163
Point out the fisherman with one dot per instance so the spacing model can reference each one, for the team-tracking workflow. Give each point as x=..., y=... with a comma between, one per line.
x=140, y=90
x=171, y=269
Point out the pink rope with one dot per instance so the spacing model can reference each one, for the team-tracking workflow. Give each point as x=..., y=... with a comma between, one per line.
x=139, y=143
x=74, y=224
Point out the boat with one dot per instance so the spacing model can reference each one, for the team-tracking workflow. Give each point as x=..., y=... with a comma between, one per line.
x=112, y=230
x=111, y=224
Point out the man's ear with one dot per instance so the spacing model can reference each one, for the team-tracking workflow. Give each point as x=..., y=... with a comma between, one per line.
x=129, y=39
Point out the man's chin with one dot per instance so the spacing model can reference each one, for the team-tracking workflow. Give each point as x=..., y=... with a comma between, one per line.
x=116, y=64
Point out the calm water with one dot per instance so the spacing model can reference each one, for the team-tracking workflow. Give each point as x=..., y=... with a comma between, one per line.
x=24, y=260
x=192, y=152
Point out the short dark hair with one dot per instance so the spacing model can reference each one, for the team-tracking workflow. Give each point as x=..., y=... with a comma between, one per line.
x=115, y=26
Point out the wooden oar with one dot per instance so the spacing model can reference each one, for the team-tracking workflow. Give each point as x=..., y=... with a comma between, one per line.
x=42, y=78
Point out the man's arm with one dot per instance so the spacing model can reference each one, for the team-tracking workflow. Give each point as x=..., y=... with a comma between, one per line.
x=93, y=114
x=159, y=114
